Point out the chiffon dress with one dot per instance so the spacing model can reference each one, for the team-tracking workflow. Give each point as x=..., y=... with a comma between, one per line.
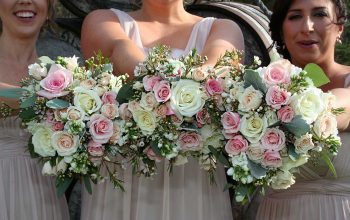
x=316, y=193
x=185, y=194
x=24, y=192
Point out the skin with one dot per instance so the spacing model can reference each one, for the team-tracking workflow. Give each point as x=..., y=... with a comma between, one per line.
x=21, y=23
x=309, y=33
x=173, y=27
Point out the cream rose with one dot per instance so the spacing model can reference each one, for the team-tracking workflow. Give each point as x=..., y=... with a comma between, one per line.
x=54, y=170
x=74, y=114
x=145, y=120
x=187, y=98
x=282, y=180
x=42, y=142
x=148, y=101
x=325, y=125
x=87, y=100
x=64, y=143
x=37, y=71
x=304, y=144
x=308, y=104
x=255, y=152
x=253, y=127
x=250, y=99
x=110, y=111
x=88, y=83
x=199, y=74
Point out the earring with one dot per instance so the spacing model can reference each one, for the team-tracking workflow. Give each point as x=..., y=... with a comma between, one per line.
x=339, y=40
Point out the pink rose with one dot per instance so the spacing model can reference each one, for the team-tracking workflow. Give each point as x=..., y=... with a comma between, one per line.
x=276, y=97
x=95, y=149
x=162, y=91
x=236, y=145
x=109, y=98
x=190, y=141
x=203, y=117
x=285, y=114
x=176, y=120
x=56, y=81
x=124, y=112
x=277, y=73
x=213, y=87
x=110, y=111
x=101, y=128
x=151, y=155
x=117, y=133
x=271, y=159
x=161, y=111
x=230, y=121
x=58, y=126
x=150, y=81
x=273, y=139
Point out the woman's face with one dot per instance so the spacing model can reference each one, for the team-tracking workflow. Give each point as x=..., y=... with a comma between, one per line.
x=309, y=31
x=23, y=17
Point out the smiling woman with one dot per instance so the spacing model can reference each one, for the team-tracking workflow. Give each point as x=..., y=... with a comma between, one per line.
x=24, y=192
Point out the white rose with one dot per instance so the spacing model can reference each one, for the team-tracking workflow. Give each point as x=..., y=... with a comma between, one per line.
x=289, y=164
x=87, y=100
x=42, y=142
x=187, y=98
x=237, y=91
x=36, y=71
x=88, y=83
x=49, y=170
x=250, y=99
x=73, y=113
x=145, y=120
x=308, y=104
x=253, y=127
x=304, y=144
x=282, y=180
x=180, y=160
x=100, y=90
x=255, y=152
x=211, y=137
x=71, y=63
x=325, y=125
x=148, y=101
x=64, y=143
x=271, y=117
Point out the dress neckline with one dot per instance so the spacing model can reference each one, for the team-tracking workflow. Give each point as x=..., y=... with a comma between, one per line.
x=146, y=49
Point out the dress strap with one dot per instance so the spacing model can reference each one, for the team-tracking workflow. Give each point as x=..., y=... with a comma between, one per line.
x=129, y=26
x=347, y=80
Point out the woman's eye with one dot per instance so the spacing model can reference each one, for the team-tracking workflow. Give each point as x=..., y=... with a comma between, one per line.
x=294, y=17
x=321, y=14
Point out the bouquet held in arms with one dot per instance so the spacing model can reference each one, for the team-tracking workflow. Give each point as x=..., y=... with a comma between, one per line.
x=73, y=116
x=276, y=119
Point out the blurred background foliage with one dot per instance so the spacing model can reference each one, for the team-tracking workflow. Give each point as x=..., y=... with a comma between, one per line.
x=342, y=51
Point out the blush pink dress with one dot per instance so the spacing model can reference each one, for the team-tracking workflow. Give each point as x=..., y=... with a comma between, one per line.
x=317, y=195
x=186, y=194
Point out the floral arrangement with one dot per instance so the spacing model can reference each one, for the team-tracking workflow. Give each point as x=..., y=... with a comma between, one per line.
x=275, y=120
x=73, y=116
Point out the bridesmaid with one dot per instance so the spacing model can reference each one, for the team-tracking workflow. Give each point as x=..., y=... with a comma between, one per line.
x=126, y=39
x=25, y=193
x=306, y=31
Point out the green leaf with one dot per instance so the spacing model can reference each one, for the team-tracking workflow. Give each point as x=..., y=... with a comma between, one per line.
x=316, y=74
x=223, y=160
x=297, y=126
x=125, y=93
x=62, y=185
x=29, y=102
x=46, y=60
x=87, y=184
x=213, y=151
x=57, y=104
x=256, y=170
x=108, y=67
x=30, y=146
x=13, y=93
x=155, y=148
x=291, y=152
x=252, y=78
x=328, y=161
x=27, y=114
x=228, y=186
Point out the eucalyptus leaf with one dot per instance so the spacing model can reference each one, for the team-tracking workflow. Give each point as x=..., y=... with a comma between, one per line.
x=223, y=160
x=213, y=151
x=57, y=104
x=125, y=93
x=256, y=170
x=291, y=152
x=29, y=102
x=87, y=184
x=62, y=185
x=316, y=74
x=297, y=126
x=108, y=67
x=46, y=59
x=252, y=78
x=13, y=93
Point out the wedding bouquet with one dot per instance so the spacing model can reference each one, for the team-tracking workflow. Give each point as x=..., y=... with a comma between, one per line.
x=275, y=119
x=73, y=116
x=171, y=111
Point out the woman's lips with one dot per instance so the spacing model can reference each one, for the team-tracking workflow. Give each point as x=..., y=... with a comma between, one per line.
x=25, y=15
x=307, y=43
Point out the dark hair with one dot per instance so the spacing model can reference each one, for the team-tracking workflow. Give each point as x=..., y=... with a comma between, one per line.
x=279, y=14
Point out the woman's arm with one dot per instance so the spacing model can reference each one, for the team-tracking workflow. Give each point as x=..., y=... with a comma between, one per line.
x=224, y=35
x=343, y=100
x=101, y=30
